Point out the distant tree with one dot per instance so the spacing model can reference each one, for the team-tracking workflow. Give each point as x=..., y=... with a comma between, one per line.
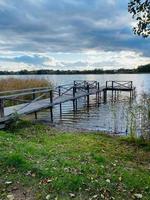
x=144, y=68
x=140, y=10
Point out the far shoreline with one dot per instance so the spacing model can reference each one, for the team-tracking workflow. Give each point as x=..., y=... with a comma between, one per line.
x=16, y=74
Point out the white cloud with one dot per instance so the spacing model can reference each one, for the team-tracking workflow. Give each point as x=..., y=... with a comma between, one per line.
x=90, y=59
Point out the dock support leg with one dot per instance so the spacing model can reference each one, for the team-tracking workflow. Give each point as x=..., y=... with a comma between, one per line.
x=105, y=96
x=60, y=105
x=35, y=114
x=112, y=90
x=1, y=108
x=74, y=100
x=130, y=95
x=88, y=96
x=115, y=95
x=51, y=106
x=76, y=104
x=33, y=97
x=98, y=88
x=112, y=95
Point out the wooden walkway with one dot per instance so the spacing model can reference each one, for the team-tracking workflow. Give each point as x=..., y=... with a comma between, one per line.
x=44, y=98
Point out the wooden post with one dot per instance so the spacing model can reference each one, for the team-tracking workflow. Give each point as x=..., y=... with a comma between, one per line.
x=51, y=106
x=105, y=95
x=106, y=84
x=76, y=101
x=96, y=92
x=112, y=90
x=74, y=104
x=131, y=84
x=115, y=95
x=33, y=97
x=60, y=103
x=1, y=108
x=98, y=88
x=88, y=96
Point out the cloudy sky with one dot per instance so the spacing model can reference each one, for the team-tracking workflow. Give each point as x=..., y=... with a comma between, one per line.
x=69, y=34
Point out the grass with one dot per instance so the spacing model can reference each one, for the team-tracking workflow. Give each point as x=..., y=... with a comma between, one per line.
x=9, y=84
x=38, y=162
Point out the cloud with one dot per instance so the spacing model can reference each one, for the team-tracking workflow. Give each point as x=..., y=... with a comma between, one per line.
x=31, y=30
x=91, y=59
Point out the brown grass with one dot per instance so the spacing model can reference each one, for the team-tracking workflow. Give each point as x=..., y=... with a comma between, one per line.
x=17, y=84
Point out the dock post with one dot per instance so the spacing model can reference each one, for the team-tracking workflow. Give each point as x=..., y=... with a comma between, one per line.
x=74, y=103
x=96, y=92
x=115, y=95
x=105, y=95
x=51, y=106
x=1, y=108
x=76, y=100
x=88, y=96
x=131, y=84
x=106, y=84
x=98, y=87
x=112, y=90
x=33, y=97
x=60, y=106
x=132, y=89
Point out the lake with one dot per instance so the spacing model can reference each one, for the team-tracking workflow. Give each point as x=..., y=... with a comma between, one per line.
x=107, y=117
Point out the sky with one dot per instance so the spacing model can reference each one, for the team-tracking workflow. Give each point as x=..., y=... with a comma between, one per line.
x=69, y=35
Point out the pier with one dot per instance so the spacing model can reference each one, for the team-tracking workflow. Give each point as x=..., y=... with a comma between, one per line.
x=28, y=101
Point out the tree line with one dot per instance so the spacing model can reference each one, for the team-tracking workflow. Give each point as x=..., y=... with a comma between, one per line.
x=140, y=69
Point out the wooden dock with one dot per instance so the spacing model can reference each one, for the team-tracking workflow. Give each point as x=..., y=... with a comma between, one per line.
x=33, y=100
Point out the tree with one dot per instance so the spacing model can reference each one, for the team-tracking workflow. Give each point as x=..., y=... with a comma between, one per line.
x=140, y=10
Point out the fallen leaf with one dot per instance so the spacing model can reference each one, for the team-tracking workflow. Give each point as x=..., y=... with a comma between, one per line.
x=72, y=195
x=108, y=180
x=48, y=197
x=95, y=196
x=138, y=196
x=8, y=182
x=10, y=197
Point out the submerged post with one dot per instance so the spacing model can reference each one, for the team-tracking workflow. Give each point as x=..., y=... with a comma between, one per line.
x=112, y=90
x=106, y=84
x=105, y=95
x=1, y=108
x=98, y=88
x=88, y=96
x=51, y=106
x=131, y=90
x=74, y=103
x=60, y=106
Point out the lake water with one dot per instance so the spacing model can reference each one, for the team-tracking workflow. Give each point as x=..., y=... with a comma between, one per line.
x=110, y=117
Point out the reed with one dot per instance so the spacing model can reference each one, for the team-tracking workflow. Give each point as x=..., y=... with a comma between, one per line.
x=138, y=115
x=9, y=84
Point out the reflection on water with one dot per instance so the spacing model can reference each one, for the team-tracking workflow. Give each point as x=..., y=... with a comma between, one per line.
x=110, y=117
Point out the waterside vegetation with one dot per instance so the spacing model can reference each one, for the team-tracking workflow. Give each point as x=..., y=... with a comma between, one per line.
x=140, y=69
x=9, y=84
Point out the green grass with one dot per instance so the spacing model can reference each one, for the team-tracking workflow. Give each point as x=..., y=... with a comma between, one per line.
x=65, y=166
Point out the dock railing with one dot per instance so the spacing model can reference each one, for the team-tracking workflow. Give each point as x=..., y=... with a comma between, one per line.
x=32, y=100
x=119, y=84
x=27, y=96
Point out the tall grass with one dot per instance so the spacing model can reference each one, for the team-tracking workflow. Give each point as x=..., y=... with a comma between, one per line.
x=139, y=118
x=17, y=84
x=11, y=84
